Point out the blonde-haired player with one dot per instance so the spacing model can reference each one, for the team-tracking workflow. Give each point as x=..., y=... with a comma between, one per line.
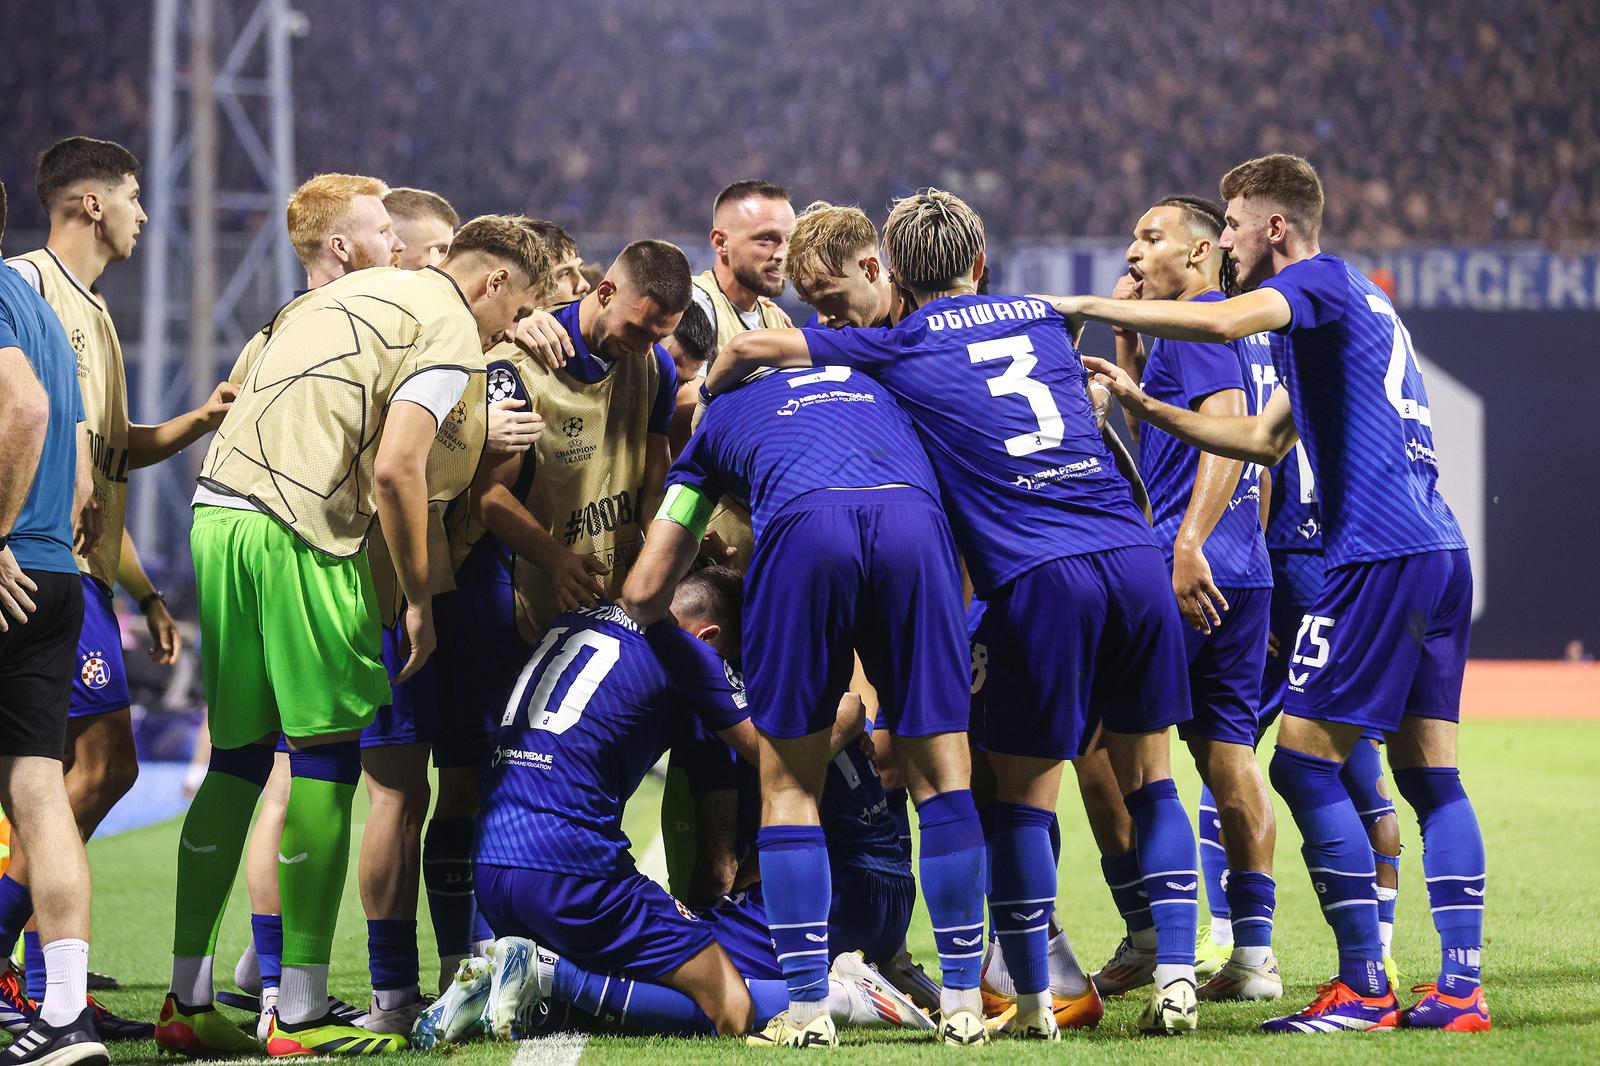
x=424, y=221
x=321, y=440
x=836, y=267
x=91, y=190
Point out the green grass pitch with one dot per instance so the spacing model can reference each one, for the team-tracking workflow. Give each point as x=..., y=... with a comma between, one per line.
x=1536, y=791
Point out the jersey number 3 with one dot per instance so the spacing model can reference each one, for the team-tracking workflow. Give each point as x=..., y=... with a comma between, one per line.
x=1016, y=382
x=607, y=650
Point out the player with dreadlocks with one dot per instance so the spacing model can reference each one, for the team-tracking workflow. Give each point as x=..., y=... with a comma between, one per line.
x=1206, y=513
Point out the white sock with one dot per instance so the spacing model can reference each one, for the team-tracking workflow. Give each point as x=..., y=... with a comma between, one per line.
x=269, y=1000
x=66, y=965
x=544, y=969
x=1256, y=956
x=191, y=980
x=1221, y=931
x=247, y=971
x=448, y=965
x=954, y=999
x=1066, y=975
x=1144, y=939
x=480, y=948
x=392, y=998
x=801, y=1012
x=1168, y=972
x=1386, y=929
x=302, y=994
x=995, y=974
x=1027, y=1002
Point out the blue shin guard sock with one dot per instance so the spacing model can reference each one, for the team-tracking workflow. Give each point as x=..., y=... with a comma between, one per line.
x=1252, y=897
x=1453, y=865
x=642, y=1009
x=16, y=907
x=33, y=963
x=447, y=876
x=1361, y=773
x=1213, y=860
x=1168, y=862
x=797, y=886
x=392, y=959
x=266, y=933
x=1127, y=890
x=1340, y=862
x=899, y=800
x=951, y=867
x=1023, y=892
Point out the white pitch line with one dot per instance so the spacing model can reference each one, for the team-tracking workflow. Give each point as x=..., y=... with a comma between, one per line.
x=557, y=1049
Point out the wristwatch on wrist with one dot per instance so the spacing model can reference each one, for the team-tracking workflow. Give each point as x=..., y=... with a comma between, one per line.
x=155, y=594
x=5, y=540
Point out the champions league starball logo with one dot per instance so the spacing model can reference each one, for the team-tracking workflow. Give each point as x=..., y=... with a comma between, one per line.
x=502, y=384
x=572, y=427
x=96, y=672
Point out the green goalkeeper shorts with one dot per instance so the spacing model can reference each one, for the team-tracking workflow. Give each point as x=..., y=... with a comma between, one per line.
x=289, y=637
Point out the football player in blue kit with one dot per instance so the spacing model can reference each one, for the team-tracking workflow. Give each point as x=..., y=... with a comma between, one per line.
x=1294, y=543
x=1206, y=511
x=852, y=555
x=1049, y=531
x=1384, y=645
x=591, y=711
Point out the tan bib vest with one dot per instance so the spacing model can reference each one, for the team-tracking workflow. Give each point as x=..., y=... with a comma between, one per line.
x=105, y=402
x=731, y=519
x=301, y=439
x=588, y=477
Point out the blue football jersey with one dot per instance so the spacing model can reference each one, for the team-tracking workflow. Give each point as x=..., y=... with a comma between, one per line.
x=590, y=714
x=996, y=391
x=790, y=432
x=1184, y=373
x=1293, y=521
x=1362, y=411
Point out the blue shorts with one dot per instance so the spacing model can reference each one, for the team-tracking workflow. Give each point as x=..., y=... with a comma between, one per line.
x=1081, y=642
x=1385, y=639
x=1225, y=670
x=629, y=925
x=1296, y=583
x=479, y=655
x=872, y=571
x=101, y=683
x=413, y=715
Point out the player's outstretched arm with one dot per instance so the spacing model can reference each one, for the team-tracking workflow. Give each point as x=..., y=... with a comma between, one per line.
x=148, y=445
x=669, y=549
x=1264, y=438
x=1184, y=320
x=756, y=348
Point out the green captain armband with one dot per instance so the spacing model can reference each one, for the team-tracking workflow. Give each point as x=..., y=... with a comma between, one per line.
x=689, y=507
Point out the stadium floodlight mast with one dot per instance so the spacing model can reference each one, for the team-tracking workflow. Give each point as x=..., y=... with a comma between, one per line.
x=198, y=309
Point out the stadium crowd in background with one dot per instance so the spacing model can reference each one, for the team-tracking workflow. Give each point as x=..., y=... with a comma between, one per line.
x=1088, y=106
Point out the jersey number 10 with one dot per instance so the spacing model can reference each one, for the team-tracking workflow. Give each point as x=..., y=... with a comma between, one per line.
x=607, y=650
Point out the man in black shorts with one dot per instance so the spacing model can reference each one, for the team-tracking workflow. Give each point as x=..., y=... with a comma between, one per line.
x=44, y=480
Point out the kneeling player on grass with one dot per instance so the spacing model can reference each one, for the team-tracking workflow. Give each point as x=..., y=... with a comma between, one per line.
x=851, y=553
x=592, y=710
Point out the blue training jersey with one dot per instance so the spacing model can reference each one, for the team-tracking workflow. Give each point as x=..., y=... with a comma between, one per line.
x=41, y=535
x=1294, y=523
x=1184, y=373
x=791, y=432
x=1362, y=411
x=590, y=714
x=996, y=391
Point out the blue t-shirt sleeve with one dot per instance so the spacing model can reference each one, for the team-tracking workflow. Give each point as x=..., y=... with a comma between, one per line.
x=695, y=466
x=1318, y=291
x=1202, y=369
x=703, y=683
x=666, y=393
x=8, y=326
x=867, y=350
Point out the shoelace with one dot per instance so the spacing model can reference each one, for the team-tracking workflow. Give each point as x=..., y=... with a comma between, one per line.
x=1424, y=990
x=1330, y=995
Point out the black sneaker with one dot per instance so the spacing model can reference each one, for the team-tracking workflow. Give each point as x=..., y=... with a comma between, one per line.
x=103, y=982
x=115, y=1027
x=43, y=1044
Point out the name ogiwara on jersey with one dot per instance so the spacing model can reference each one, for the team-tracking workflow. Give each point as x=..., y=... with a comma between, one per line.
x=105, y=401
x=588, y=471
x=731, y=519
x=302, y=438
